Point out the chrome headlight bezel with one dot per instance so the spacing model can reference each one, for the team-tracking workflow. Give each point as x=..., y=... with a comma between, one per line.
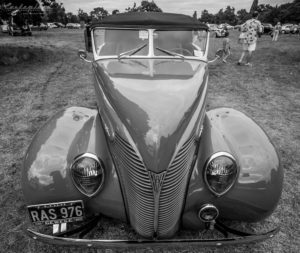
x=102, y=170
x=208, y=163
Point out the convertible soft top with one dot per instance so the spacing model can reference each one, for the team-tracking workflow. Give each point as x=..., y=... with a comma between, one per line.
x=155, y=20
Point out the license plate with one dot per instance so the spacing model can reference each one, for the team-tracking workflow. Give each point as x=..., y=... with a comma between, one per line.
x=56, y=213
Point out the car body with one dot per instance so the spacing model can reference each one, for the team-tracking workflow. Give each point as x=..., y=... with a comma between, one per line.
x=43, y=26
x=73, y=26
x=51, y=25
x=150, y=154
x=59, y=25
x=286, y=28
x=4, y=28
x=227, y=26
x=222, y=32
x=212, y=27
x=39, y=27
x=295, y=29
x=267, y=28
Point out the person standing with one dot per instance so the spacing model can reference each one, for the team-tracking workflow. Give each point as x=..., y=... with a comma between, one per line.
x=226, y=49
x=252, y=28
x=277, y=29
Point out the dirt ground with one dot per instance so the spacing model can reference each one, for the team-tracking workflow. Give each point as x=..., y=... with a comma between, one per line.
x=41, y=74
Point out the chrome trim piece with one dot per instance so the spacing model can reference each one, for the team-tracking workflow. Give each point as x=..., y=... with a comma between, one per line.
x=92, y=156
x=83, y=58
x=108, y=126
x=156, y=182
x=120, y=244
x=56, y=203
x=222, y=153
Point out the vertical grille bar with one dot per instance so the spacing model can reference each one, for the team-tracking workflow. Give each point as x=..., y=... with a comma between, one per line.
x=139, y=193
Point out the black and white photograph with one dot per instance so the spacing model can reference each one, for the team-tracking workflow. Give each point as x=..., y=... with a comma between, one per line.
x=149, y=126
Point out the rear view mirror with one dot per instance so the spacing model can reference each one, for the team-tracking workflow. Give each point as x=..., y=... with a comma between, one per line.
x=218, y=55
x=83, y=55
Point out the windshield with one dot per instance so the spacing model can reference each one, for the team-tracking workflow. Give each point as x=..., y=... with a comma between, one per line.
x=120, y=41
x=124, y=43
x=186, y=43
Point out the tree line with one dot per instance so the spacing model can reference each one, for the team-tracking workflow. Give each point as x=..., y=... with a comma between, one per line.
x=285, y=13
x=52, y=11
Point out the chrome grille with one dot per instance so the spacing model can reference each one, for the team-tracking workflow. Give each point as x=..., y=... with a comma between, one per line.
x=173, y=189
x=138, y=189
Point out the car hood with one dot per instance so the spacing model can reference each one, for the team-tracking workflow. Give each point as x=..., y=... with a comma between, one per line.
x=155, y=99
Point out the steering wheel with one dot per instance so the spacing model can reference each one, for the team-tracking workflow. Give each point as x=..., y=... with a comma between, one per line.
x=181, y=50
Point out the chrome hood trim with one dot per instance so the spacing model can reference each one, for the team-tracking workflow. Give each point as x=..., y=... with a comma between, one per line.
x=155, y=99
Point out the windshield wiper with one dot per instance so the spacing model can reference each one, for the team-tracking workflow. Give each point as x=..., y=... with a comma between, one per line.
x=132, y=51
x=170, y=52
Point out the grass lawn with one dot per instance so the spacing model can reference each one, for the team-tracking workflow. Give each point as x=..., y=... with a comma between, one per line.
x=41, y=74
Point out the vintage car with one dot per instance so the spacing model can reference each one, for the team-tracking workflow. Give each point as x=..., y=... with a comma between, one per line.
x=4, y=28
x=267, y=28
x=73, y=26
x=149, y=154
x=222, y=32
x=286, y=28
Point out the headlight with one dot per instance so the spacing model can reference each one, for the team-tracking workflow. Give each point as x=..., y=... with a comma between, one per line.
x=220, y=173
x=88, y=174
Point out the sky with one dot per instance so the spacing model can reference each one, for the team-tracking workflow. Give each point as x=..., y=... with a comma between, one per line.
x=177, y=6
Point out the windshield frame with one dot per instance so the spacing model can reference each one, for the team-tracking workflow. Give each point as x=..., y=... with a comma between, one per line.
x=150, y=54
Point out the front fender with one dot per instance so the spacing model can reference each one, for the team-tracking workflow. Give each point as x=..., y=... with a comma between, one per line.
x=257, y=190
x=46, y=177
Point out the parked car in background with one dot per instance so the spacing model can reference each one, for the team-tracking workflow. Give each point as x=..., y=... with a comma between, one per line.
x=295, y=29
x=43, y=26
x=225, y=25
x=4, y=28
x=212, y=27
x=39, y=27
x=286, y=28
x=238, y=27
x=60, y=25
x=267, y=28
x=222, y=32
x=150, y=154
x=229, y=27
x=73, y=26
x=52, y=25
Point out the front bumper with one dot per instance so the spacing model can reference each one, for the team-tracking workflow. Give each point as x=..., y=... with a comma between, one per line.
x=101, y=243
